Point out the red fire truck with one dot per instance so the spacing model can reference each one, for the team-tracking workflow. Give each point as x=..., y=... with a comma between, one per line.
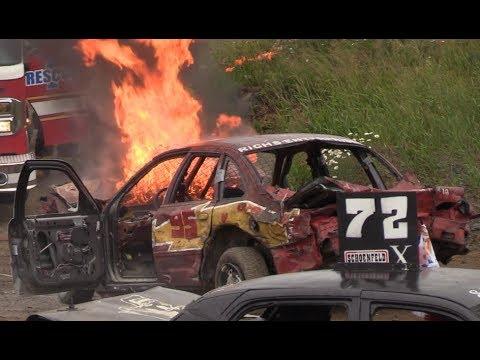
x=39, y=111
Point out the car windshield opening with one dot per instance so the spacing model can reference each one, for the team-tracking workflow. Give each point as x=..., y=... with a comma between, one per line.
x=295, y=167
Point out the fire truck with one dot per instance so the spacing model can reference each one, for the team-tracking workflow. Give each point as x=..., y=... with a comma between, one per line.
x=40, y=112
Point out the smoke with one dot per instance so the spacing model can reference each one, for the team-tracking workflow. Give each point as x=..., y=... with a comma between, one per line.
x=208, y=82
x=102, y=151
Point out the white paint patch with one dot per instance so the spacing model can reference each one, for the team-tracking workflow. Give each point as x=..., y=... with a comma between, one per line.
x=65, y=105
x=144, y=306
x=273, y=143
x=12, y=72
x=474, y=292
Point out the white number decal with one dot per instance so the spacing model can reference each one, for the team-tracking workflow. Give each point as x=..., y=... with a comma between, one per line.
x=400, y=204
x=363, y=208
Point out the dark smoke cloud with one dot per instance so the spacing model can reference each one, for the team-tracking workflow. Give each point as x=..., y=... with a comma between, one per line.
x=210, y=84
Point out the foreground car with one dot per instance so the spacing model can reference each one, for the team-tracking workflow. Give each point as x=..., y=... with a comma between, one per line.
x=210, y=214
x=325, y=295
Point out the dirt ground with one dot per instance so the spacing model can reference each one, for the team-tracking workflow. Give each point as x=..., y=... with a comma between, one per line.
x=12, y=306
x=15, y=307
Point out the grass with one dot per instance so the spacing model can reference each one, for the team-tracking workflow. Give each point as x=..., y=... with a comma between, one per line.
x=421, y=96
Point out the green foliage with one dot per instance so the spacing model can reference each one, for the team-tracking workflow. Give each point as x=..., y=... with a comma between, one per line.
x=421, y=96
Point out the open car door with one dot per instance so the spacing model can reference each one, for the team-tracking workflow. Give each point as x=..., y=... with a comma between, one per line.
x=55, y=244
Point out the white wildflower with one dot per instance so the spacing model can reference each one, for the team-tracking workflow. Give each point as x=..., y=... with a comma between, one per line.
x=335, y=167
x=376, y=136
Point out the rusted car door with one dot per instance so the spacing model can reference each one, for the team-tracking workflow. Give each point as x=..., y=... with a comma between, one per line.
x=183, y=222
x=55, y=246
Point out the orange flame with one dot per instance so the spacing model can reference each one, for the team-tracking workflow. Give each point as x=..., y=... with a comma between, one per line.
x=155, y=113
x=263, y=56
x=225, y=123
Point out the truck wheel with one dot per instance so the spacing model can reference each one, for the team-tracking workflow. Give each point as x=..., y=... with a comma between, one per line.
x=239, y=263
x=76, y=296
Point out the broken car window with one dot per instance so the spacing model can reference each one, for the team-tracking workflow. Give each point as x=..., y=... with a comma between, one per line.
x=54, y=194
x=300, y=173
x=344, y=166
x=389, y=179
x=153, y=185
x=264, y=164
x=233, y=186
x=197, y=182
x=300, y=312
x=396, y=314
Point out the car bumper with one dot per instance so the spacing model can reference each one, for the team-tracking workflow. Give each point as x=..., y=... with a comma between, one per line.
x=10, y=167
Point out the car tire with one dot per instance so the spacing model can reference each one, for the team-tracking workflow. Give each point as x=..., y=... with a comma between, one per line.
x=76, y=296
x=239, y=263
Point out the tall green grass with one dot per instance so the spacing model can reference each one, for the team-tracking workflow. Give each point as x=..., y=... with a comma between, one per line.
x=421, y=96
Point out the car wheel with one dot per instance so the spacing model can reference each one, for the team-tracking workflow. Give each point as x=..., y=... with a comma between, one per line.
x=76, y=296
x=239, y=263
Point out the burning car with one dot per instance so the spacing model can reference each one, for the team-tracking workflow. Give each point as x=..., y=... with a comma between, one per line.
x=214, y=213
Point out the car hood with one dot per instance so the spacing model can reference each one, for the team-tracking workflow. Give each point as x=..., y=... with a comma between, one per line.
x=155, y=304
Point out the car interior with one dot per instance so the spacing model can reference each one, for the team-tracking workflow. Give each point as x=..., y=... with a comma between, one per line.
x=311, y=172
x=298, y=312
x=307, y=171
x=135, y=215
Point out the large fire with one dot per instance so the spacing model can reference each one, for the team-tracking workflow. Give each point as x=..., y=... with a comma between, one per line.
x=153, y=109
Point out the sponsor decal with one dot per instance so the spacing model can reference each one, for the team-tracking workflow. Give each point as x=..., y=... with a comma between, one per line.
x=366, y=256
x=269, y=144
x=49, y=76
x=144, y=306
x=474, y=292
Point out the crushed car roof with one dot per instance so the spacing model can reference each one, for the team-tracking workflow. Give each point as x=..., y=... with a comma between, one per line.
x=270, y=141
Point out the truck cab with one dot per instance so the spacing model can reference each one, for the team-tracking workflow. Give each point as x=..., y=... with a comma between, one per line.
x=39, y=111
x=17, y=133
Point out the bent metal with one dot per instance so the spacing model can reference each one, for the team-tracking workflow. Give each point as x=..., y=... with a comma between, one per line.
x=224, y=217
